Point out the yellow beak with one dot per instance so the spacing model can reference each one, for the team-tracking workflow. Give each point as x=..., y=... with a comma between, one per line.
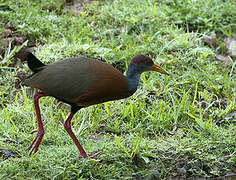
x=159, y=69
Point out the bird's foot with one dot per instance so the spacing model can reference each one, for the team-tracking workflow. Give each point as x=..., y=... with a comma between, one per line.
x=91, y=156
x=37, y=140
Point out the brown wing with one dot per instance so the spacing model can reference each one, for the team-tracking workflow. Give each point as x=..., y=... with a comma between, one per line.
x=80, y=80
x=108, y=84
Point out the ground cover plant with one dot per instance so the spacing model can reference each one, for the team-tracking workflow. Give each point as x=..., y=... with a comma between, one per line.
x=180, y=126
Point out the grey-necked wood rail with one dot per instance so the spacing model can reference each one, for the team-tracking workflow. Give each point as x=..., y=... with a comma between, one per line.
x=82, y=82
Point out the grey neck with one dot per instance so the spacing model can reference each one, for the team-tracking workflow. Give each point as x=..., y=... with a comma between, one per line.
x=132, y=77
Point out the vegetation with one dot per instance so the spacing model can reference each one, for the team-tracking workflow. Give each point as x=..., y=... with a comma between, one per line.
x=179, y=126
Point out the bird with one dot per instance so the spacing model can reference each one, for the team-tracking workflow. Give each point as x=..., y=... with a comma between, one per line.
x=81, y=82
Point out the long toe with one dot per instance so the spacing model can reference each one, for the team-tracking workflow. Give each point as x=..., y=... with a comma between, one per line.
x=33, y=147
x=35, y=139
x=91, y=156
x=34, y=131
x=36, y=143
x=94, y=155
x=33, y=142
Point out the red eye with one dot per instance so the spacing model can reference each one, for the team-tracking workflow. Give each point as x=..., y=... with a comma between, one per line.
x=149, y=63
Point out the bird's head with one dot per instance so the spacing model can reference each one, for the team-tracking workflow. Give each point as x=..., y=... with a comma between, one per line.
x=143, y=63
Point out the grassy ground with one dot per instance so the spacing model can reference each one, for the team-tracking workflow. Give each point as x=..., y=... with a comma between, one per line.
x=181, y=126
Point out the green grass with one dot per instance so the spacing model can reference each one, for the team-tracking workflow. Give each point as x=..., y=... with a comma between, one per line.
x=173, y=126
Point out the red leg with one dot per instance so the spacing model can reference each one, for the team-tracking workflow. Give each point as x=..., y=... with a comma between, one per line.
x=67, y=126
x=40, y=131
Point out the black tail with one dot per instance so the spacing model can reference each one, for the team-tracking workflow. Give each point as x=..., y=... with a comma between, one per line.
x=34, y=63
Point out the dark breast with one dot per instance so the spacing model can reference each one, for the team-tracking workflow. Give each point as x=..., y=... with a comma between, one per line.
x=81, y=81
